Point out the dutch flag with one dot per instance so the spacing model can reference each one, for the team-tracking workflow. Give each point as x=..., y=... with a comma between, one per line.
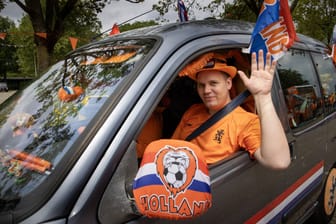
x=274, y=30
x=182, y=11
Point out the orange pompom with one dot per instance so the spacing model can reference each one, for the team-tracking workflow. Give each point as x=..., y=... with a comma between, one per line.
x=192, y=68
x=67, y=93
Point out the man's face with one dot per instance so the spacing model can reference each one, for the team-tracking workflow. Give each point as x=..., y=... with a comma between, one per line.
x=213, y=88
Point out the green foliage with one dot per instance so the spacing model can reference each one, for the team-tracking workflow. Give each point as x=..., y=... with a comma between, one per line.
x=238, y=10
x=81, y=23
x=22, y=37
x=7, y=49
x=137, y=25
x=78, y=26
x=57, y=18
x=291, y=78
x=163, y=6
x=83, y=19
x=316, y=18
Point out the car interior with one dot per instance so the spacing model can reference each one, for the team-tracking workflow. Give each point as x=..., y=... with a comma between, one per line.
x=181, y=94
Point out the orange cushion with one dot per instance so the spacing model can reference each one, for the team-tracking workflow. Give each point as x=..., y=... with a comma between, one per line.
x=173, y=181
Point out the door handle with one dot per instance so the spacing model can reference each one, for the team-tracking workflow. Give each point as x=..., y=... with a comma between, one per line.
x=291, y=150
x=333, y=139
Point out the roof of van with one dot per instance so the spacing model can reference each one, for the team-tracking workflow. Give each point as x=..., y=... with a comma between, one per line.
x=194, y=28
x=310, y=41
x=201, y=27
x=181, y=31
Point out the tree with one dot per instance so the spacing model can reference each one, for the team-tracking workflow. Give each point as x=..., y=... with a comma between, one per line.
x=23, y=39
x=7, y=49
x=136, y=25
x=50, y=17
x=316, y=18
x=255, y=5
x=247, y=10
x=239, y=10
x=26, y=50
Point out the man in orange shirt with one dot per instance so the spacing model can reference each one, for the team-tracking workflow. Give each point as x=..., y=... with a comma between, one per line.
x=263, y=137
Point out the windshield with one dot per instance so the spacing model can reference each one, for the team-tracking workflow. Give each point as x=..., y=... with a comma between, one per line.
x=40, y=125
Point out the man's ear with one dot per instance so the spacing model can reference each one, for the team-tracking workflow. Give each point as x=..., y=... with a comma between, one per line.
x=229, y=82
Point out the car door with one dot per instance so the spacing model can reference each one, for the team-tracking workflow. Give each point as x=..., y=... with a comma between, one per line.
x=240, y=186
x=326, y=72
x=307, y=130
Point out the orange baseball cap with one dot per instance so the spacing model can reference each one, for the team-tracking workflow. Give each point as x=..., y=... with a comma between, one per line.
x=208, y=62
x=217, y=65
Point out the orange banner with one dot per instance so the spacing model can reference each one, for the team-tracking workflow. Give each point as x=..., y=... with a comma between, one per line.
x=43, y=35
x=3, y=35
x=73, y=42
x=115, y=29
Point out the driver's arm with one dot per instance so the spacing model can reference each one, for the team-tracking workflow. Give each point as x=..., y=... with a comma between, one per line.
x=274, y=150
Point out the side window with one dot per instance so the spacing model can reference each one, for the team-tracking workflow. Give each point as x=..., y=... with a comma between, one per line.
x=160, y=124
x=182, y=93
x=299, y=84
x=327, y=73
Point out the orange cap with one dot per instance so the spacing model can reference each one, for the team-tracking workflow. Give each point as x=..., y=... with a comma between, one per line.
x=208, y=62
x=216, y=65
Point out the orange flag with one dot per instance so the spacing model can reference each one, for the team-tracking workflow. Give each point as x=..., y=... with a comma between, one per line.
x=3, y=35
x=73, y=42
x=115, y=29
x=43, y=35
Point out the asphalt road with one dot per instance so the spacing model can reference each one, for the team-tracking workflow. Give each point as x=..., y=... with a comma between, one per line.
x=5, y=95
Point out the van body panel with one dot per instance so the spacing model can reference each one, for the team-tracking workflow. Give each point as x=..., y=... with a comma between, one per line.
x=91, y=140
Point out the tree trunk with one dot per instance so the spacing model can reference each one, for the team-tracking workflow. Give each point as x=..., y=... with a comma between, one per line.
x=43, y=59
x=47, y=18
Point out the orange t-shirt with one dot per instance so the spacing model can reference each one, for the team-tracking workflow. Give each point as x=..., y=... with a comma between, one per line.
x=238, y=129
x=152, y=131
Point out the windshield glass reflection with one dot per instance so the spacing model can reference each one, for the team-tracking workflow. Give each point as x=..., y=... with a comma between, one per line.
x=40, y=125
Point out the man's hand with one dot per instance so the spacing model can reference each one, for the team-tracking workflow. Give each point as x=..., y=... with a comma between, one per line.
x=274, y=150
x=261, y=79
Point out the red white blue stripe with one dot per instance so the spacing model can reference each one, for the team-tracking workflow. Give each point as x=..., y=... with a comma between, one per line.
x=274, y=211
x=147, y=175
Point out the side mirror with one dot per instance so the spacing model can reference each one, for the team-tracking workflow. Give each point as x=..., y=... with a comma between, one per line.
x=173, y=181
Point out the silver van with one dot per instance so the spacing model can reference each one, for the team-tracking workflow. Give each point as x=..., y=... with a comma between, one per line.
x=68, y=141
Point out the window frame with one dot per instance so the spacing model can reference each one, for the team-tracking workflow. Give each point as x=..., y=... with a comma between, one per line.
x=307, y=125
x=222, y=171
x=325, y=57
